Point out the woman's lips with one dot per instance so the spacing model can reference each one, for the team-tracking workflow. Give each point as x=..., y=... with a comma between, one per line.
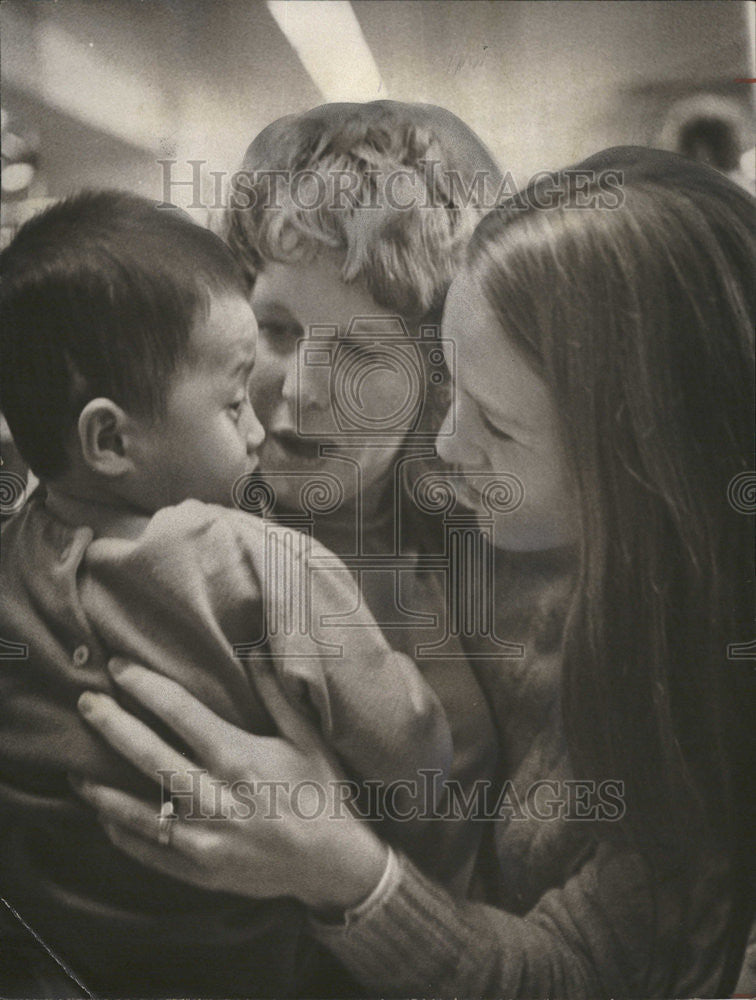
x=470, y=498
x=468, y=494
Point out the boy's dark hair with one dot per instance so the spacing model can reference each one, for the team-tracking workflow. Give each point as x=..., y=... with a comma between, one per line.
x=98, y=297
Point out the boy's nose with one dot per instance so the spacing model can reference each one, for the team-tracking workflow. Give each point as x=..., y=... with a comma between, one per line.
x=255, y=434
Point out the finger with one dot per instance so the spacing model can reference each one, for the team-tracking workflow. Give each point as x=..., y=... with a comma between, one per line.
x=162, y=858
x=118, y=808
x=292, y=723
x=195, y=723
x=130, y=737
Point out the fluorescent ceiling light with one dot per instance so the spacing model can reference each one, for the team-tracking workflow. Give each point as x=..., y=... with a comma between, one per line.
x=16, y=177
x=71, y=75
x=327, y=37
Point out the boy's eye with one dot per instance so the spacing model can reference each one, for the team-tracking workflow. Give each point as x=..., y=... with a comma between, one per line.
x=236, y=407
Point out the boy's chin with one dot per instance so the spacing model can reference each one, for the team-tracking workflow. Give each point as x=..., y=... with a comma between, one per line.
x=223, y=492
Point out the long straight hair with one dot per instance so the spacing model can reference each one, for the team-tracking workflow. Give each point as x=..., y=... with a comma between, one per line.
x=640, y=319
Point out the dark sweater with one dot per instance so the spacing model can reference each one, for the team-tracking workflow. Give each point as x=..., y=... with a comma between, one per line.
x=564, y=916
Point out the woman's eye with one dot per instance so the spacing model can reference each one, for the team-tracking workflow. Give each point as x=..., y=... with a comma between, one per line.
x=279, y=331
x=270, y=329
x=236, y=407
x=280, y=337
x=493, y=429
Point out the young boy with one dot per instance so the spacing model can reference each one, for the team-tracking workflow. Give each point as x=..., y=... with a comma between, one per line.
x=127, y=347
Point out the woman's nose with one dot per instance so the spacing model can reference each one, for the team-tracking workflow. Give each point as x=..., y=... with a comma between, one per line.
x=289, y=383
x=456, y=443
x=447, y=447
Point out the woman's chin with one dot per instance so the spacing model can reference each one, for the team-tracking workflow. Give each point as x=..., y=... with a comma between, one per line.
x=513, y=537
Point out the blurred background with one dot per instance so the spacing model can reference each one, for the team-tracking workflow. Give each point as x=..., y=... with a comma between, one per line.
x=97, y=92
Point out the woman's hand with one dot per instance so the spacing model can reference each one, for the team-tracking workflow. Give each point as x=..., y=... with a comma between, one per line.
x=258, y=815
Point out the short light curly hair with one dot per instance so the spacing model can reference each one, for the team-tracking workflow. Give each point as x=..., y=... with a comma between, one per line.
x=397, y=187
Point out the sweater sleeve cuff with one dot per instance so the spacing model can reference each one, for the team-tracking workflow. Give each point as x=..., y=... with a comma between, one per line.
x=345, y=918
x=388, y=882
x=406, y=932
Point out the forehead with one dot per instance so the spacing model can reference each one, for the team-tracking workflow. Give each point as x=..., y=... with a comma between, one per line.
x=225, y=333
x=490, y=366
x=311, y=292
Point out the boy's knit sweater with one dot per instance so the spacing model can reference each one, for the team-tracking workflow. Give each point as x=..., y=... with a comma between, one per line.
x=179, y=592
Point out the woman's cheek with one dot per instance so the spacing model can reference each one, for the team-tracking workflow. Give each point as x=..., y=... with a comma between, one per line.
x=541, y=515
x=551, y=514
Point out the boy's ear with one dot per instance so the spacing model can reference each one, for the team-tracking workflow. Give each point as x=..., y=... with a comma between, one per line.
x=102, y=425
